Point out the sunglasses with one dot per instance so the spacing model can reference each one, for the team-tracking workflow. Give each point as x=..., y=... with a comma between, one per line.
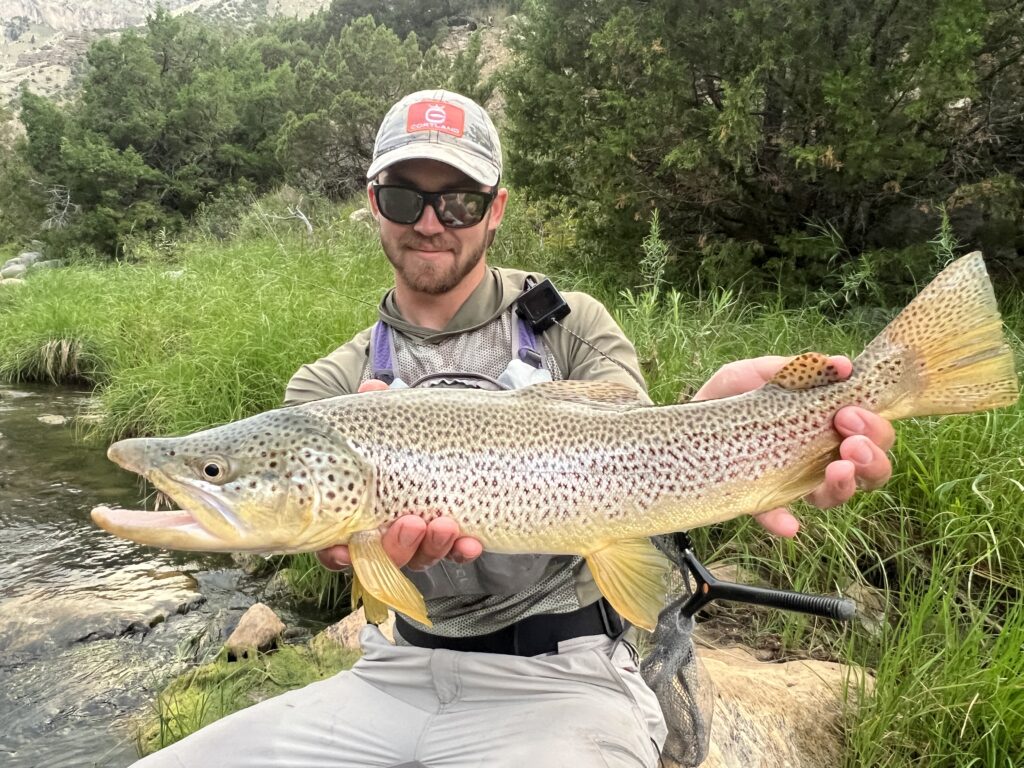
x=455, y=209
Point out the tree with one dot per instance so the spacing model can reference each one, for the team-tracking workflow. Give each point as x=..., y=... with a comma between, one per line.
x=22, y=200
x=326, y=143
x=754, y=125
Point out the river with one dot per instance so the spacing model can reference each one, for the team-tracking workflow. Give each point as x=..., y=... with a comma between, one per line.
x=91, y=627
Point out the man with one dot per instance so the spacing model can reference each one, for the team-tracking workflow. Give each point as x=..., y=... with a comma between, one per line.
x=524, y=663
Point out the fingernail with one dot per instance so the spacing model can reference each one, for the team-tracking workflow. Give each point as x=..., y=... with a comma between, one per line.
x=407, y=537
x=442, y=539
x=854, y=423
x=861, y=453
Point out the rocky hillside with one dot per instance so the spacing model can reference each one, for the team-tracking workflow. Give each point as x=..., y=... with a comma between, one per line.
x=43, y=42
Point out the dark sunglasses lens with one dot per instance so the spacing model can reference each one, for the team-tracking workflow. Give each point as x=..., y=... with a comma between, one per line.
x=462, y=209
x=402, y=206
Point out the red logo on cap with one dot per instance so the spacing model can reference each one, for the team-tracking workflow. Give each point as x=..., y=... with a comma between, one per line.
x=435, y=116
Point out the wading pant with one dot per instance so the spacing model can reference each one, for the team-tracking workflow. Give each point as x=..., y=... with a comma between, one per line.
x=407, y=707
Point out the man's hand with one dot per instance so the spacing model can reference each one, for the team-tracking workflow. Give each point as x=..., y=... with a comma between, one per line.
x=410, y=541
x=866, y=438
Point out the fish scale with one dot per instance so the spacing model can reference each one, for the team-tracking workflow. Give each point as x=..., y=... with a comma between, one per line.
x=564, y=467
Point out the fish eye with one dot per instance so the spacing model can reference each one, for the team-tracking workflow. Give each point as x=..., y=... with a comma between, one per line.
x=214, y=470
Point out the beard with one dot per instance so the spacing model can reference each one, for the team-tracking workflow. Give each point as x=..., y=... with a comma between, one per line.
x=433, y=278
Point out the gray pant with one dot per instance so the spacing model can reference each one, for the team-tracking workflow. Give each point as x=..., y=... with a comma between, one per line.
x=406, y=707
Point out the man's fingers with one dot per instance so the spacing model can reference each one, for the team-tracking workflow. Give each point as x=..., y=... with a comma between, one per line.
x=372, y=385
x=440, y=536
x=839, y=485
x=403, y=538
x=466, y=549
x=871, y=464
x=851, y=421
x=334, y=558
x=779, y=522
x=863, y=465
x=409, y=541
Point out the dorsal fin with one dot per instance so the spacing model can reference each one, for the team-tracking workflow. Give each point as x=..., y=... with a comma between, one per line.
x=811, y=369
x=595, y=393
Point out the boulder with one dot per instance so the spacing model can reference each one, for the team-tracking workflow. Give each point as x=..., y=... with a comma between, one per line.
x=258, y=630
x=362, y=214
x=772, y=715
x=28, y=257
x=13, y=271
x=48, y=264
x=346, y=632
x=11, y=281
x=52, y=419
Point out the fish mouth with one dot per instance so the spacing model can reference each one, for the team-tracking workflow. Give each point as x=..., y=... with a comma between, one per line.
x=182, y=528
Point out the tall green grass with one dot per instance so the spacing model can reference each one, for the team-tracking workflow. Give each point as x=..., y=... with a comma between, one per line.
x=939, y=551
x=209, y=337
x=205, y=332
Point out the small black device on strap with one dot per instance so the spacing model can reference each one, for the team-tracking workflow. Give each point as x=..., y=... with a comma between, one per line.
x=540, y=304
x=527, y=637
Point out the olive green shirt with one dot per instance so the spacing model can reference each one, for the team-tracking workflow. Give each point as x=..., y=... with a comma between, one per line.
x=494, y=590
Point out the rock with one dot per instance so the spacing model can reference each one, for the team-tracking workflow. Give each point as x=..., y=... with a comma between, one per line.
x=253, y=564
x=871, y=605
x=49, y=418
x=346, y=632
x=770, y=715
x=361, y=214
x=28, y=258
x=13, y=270
x=258, y=630
x=48, y=264
x=11, y=281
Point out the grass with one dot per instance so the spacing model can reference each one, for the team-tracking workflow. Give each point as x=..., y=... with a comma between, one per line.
x=205, y=332
x=219, y=688
x=941, y=547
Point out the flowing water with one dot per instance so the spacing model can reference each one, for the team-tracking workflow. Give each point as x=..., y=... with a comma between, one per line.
x=91, y=627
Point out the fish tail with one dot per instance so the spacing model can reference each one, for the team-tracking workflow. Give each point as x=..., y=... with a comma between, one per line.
x=945, y=352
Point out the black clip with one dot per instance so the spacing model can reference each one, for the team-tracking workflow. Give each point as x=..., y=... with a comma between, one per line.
x=709, y=588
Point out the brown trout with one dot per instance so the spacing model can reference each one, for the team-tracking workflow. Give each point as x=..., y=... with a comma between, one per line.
x=567, y=467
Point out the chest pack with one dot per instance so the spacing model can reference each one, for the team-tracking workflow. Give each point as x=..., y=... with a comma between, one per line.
x=537, y=307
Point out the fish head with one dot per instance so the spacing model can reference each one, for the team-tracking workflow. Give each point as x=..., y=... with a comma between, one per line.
x=281, y=481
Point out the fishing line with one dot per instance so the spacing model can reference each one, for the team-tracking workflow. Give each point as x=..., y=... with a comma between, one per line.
x=601, y=352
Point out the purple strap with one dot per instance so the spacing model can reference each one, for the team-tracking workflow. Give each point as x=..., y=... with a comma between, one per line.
x=381, y=353
x=528, y=344
x=382, y=349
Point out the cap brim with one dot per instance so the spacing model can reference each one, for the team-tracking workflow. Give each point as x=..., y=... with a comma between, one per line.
x=472, y=165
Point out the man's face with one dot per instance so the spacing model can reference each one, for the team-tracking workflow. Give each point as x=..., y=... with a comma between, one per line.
x=428, y=257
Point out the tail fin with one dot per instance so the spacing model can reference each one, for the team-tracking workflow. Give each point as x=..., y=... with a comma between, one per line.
x=950, y=343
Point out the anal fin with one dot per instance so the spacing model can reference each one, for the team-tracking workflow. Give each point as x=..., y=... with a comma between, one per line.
x=380, y=583
x=374, y=610
x=799, y=483
x=633, y=575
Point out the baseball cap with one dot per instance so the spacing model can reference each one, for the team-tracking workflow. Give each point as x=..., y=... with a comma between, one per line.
x=439, y=125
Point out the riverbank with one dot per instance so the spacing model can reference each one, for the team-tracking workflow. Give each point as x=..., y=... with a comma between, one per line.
x=204, y=332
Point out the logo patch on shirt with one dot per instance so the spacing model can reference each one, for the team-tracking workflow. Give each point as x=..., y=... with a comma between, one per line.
x=435, y=116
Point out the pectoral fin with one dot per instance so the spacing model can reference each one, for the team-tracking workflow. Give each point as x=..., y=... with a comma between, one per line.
x=379, y=582
x=633, y=575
